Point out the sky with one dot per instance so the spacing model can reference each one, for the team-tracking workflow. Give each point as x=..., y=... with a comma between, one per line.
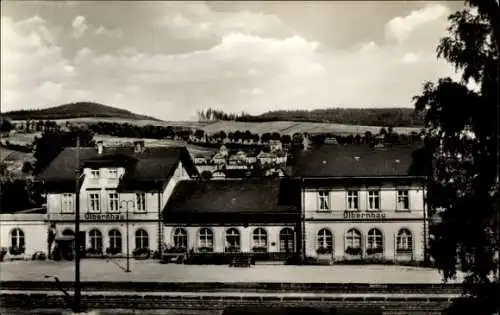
x=171, y=59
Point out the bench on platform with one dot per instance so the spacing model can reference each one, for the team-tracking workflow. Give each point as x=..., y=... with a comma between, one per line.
x=240, y=261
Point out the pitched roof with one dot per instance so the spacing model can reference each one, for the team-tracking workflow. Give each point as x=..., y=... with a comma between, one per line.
x=155, y=164
x=226, y=200
x=357, y=161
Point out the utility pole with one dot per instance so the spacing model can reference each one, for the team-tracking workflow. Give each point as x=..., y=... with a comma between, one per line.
x=78, y=288
x=125, y=204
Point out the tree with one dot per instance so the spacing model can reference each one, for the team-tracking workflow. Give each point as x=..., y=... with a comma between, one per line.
x=5, y=125
x=52, y=142
x=462, y=140
x=265, y=137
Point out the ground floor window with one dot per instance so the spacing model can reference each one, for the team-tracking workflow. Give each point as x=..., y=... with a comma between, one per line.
x=353, y=242
x=375, y=242
x=232, y=240
x=404, y=241
x=95, y=240
x=259, y=238
x=325, y=242
x=287, y=240
x=115, y=241
x=206, y=240
x=180, y=238
x=141, y=239
x=17, y=240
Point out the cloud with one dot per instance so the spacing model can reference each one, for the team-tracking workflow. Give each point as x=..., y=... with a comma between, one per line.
x=79, y=26
x=401, y=28
x=196, y=20
x=254, y=68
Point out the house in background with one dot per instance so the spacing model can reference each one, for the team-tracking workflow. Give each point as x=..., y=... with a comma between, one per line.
x=117, y=183
x=234, y=217
x=275, y=145
x=219, y=159
x=363, y=203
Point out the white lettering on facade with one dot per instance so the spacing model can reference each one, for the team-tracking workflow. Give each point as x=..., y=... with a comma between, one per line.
x=355, y=215
x=104, y=217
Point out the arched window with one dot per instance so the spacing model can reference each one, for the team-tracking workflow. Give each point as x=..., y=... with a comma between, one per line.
x=17, y=238
x=375, y=242
x=95, y=240
x=232, y=240
x=259, y=237
x=68, y=232
x=180, y=238
x=206, y=240
x=404, y=241
x=141, y=239
x=115, y=240
x=353, y=239
x=287, y=240
x=325, y=241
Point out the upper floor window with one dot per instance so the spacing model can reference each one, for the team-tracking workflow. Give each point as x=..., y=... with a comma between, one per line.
x=113, y=173
x=373, y=200
x=352, y=200
x=113, y=202
x=403, y=200
x=94, y=202
x=67, y=203
x=324, y=200
x=95, y=173
x=140, y=202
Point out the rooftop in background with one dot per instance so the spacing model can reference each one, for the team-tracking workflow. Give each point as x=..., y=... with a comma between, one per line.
x=358, y=160
x=252, y=199
x=151, y=165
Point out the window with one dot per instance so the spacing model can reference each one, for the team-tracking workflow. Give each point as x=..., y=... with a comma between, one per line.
x=352, y=200
x=180, y=238
x=113, y=173
x=325, y=241
x=141, y=239
x=403, y=200
x=95, y=174
x=373, y=200
x=94, y=202
x=287, y=241
x=67, y=203
x=115, y=240
x=141, y=202
x=404, y=241
x=375, y=242
x=17, y=238
x=259, y=239
x=95, y=240
x=206, y=240
x=353, y=239
x=232, y=240
x=113, y=202
x=324, y=200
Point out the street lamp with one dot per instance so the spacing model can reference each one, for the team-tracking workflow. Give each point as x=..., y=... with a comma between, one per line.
x=126, y=204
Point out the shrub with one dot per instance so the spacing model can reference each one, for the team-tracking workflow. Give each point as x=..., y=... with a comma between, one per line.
x=353, y=251
x=93, y=252
x=3, y=252
x=39, y=256
x=113, y=250
x=16, y=250
x=141, y=253
x=323, y=251
x=372, y=251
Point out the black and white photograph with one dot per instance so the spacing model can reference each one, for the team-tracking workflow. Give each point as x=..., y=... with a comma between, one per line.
x=250, y=157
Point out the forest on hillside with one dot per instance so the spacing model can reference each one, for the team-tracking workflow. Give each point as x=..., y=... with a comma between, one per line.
x=395, y=117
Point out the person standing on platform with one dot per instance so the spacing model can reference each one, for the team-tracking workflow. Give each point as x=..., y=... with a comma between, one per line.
x=51, y=239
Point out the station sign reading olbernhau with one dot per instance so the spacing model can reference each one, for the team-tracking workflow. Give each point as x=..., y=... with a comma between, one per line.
x=358, y=215
x=104, y=216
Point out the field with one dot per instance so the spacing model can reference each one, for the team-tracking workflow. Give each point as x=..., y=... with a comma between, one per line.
x=291, y=127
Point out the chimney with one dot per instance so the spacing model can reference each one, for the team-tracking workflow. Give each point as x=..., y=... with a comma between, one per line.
x=138, y=146
x=100, y=147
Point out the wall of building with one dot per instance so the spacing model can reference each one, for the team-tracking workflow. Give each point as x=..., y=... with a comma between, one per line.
x=34, y=227
x=105, y=227
x=219, y=232
x=389, y=231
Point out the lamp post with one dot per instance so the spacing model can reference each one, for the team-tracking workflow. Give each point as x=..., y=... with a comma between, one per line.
x=125, y=204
